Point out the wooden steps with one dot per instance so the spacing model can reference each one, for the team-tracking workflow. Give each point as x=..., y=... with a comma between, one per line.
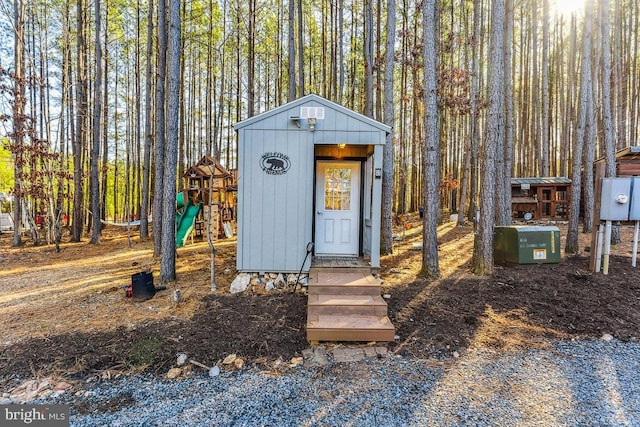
x=345, y=305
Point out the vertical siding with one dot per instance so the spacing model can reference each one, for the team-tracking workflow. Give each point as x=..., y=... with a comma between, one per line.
x=275, y=210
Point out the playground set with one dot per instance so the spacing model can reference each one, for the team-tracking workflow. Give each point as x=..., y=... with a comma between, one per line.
x=209, y=197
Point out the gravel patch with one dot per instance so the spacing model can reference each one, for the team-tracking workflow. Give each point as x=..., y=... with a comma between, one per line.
x=574, y=383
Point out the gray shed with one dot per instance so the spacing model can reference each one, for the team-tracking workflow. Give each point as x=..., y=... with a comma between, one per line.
x=308, y=171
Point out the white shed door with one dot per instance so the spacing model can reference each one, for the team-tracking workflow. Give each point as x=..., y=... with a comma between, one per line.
x=337, y=207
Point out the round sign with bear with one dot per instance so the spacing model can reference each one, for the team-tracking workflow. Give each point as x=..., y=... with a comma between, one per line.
x=275, y=163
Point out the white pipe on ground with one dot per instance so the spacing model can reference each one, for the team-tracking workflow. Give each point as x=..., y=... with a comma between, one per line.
x=607, y=248
x=635, y=243
x=599, y=241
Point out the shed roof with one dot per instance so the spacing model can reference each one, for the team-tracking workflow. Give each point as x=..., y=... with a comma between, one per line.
x=320, y=100
x=546, y=180
x=632, y=152
x=206, y=168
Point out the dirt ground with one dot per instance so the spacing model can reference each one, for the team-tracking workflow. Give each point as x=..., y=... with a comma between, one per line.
x=66, y=315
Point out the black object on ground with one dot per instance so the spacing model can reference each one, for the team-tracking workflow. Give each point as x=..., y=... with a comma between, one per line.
x=142, y=286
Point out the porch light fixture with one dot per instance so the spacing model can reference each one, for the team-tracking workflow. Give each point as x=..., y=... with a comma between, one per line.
x=312, y=123
x=341, y=146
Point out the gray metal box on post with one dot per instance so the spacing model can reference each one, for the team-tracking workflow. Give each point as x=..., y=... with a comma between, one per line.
x=616, y=193
x=526, y=245
x=634, y=206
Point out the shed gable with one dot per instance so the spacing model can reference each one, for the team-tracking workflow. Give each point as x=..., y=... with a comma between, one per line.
x=336, y=118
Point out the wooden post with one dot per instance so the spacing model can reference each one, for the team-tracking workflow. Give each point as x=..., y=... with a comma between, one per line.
x=597, y=200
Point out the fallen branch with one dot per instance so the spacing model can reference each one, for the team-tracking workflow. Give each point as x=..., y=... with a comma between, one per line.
x=193, y=362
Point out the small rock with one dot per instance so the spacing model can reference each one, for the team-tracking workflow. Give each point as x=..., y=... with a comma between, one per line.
x=394, y=271
x=296, y=361
x=182, y=359
x=307, y=353
x=316, y=356
x=5, y=401
x=46, y=393
x=369, y=352
x=240, y=283
x=456, y=354
x=382, y=351
x=386, y=296
x=273, y=276
x=606, y=337
x=61, y=386
x=174, y=373
x=320, y=357
x=214, y=371
x=270, y=286
x=396, y=337
x=238, y=363
x=229, y=359
x=292, y=278
x=341, y=355
x=280, y=280
x=226, y=271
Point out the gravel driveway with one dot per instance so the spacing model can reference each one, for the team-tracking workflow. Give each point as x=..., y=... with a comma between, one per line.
x=574, y=383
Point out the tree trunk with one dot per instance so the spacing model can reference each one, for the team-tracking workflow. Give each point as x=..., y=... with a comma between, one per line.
x=81, y=128
x=301, y=91
x=483, y=260
x=368, y=58
x=466, y=187
x=545, y=89
x=386, y=244
x=159, y=149
x=475, y=114
x=607, y=120
x=105, y=119
x=251, y=60
x=95, y=152
x=587, y=164
x=509, y=108
x=168, y=256
x=148, y=131
x=137, y=148
x=19, y=101
x=571, y=245
x=340, y=50
x=292, y=51
x=431, y=166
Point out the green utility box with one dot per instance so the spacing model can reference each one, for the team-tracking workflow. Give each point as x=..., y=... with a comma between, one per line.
x=526, y=245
